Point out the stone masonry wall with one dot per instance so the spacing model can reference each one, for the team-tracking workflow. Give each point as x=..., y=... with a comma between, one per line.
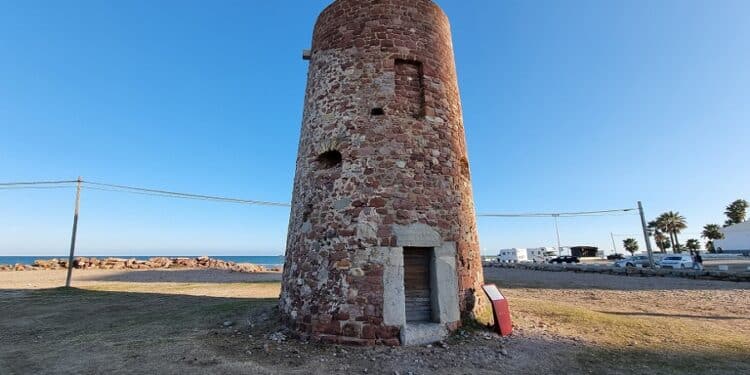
x=408, y=165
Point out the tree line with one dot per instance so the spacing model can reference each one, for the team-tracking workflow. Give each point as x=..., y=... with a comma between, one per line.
x=667, y=226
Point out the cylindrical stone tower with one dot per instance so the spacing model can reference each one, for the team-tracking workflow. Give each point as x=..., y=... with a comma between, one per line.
x=382, y=244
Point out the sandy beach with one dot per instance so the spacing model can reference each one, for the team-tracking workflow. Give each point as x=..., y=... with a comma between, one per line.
x=199, y=282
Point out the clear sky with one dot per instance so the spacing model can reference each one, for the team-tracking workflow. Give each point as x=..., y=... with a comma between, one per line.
x=568, y=105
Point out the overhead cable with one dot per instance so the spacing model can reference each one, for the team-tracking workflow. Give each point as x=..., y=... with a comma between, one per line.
x=561, y=214
x=174, y=194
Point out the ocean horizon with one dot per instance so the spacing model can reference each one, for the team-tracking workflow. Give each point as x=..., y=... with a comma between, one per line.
x=261, y=260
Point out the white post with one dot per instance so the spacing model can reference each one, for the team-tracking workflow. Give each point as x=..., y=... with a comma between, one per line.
x=557, y=231
x=73, y=235
x=645, y=235
x=614, y=246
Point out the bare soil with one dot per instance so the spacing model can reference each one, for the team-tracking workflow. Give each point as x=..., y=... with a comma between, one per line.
x=166, y=321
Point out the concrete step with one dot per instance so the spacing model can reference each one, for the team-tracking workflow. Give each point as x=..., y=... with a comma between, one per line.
x=415, y=333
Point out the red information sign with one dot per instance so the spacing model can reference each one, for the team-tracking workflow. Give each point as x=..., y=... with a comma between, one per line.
x=501, y=309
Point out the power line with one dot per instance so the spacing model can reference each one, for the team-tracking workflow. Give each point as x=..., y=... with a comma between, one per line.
x=35, y=187
x=174, y=194
x=155, y=194
x=101, y=186
x=638, y=234
x=603, y=214
x=37, y=183
x=613, y=212
x=135, y=192
x=65, y=184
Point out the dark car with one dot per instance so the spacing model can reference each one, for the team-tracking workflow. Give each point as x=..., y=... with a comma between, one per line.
x=615, y=257
x=565, y=259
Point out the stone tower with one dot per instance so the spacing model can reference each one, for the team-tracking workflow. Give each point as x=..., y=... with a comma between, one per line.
x=382, y=244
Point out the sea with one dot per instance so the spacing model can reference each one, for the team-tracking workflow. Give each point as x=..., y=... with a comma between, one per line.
x=268, y=261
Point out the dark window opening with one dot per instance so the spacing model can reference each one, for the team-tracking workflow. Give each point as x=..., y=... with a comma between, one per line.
x=465, y=168
x=329, y=159
x=307, y=212
x=377, y=112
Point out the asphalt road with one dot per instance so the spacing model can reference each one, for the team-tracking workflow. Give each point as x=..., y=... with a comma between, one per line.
x=735, y=264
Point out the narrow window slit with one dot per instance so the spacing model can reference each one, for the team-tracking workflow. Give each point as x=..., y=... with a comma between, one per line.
x=465, y=168
x=410, y=94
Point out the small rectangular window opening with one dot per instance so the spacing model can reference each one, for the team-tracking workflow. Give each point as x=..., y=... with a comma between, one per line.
x=410, y=96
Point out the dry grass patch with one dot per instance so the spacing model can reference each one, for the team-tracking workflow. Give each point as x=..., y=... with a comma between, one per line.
x=657, y=344
x=228, y=290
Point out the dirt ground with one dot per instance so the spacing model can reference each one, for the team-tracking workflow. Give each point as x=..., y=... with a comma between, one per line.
x=198, y=321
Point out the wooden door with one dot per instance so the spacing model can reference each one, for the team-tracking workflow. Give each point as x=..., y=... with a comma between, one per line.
x=417, y=284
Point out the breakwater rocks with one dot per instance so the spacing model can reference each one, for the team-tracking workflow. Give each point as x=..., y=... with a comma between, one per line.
x=84, y=263
x=626, y=271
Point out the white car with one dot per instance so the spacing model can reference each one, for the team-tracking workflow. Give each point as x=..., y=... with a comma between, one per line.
x=677, y=261
x=633, y=261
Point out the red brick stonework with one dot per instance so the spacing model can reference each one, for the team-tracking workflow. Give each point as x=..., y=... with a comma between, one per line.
x=382, y=147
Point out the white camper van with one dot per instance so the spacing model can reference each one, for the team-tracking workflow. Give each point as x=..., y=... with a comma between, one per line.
x=517, y=255
x=539, y=254
x=513, y=255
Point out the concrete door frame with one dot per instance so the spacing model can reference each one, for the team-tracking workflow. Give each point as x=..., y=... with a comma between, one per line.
x=444, y=282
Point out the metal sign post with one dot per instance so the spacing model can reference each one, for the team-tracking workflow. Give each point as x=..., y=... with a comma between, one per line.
x=500, y=308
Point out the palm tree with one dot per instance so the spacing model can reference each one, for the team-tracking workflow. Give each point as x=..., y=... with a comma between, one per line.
x=630, y=245
x=736, y=212
x=658, y=236
x=711, y=232
x=662, y=242
x=674, y=223
x=693, y=245
x=661, y=227
x=665, y=243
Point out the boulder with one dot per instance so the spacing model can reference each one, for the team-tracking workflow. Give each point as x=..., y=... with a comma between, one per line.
x=160, y=262
x=42, y=263
x=80, y=262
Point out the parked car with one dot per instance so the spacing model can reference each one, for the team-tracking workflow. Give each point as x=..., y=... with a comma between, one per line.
x=617, y=256
x=538, y=259
x=633, y=261
x=677, y=261
x=565, y=259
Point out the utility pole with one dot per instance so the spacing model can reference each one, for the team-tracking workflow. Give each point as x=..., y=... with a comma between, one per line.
x=557, y=231
x=646, y=236
x=614, y=247
x=73, y=235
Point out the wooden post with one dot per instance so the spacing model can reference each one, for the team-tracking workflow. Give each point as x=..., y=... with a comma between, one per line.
x=73, y=235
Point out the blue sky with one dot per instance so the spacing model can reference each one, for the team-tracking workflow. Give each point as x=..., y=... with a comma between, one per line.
x=568, y=105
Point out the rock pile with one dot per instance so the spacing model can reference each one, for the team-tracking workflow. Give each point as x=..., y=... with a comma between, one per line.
x=203, y=262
